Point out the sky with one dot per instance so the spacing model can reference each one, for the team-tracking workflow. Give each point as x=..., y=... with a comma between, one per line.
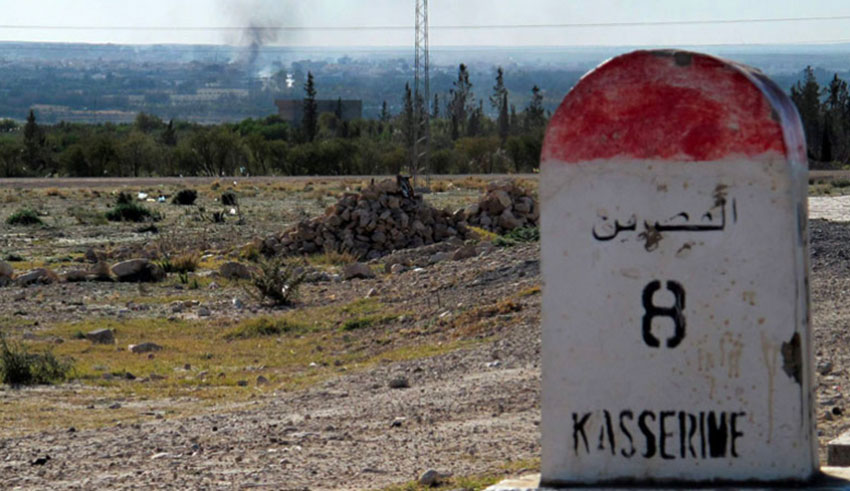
x=453, y=22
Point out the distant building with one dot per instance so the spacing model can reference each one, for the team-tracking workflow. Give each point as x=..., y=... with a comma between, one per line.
x=292, y=110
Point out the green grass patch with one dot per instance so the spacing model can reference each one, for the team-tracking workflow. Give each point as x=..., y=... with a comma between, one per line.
x=518, y=236
x=366, y=322
x=265, y=326
x=20, y=367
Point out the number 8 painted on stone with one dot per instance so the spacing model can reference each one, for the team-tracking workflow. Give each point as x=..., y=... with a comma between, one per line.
x=675, y=312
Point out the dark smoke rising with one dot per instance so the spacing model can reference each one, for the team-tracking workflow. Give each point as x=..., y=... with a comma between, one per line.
x=260, y=18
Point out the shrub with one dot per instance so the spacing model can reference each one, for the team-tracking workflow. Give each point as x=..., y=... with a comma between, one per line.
x=276, y=281
x=19, y=367
x=228, y=198
x=130, y=212
x=184, y=263
x=185, y=197
x=123, y=198
x=24, y=216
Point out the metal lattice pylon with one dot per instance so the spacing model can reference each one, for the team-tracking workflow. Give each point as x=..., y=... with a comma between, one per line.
x=421, y=97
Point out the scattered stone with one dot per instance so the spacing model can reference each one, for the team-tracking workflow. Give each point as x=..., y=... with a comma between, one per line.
x=371, y=293
x=357, y=270
x=464, y=252
x=238, y=303
x=144, y=348
x=825, y=367
x=40, y=276
x=40, y=460
x=397, y=268
x=101, y=336
x=505, y=207
x=160, y=455
x=399, y=382
x=235, y=271
x=204, y=312
x=429, y=478
x=384, y=217
x=137, y=271
x=115, y=405
x=242, y=383
x=262, y=380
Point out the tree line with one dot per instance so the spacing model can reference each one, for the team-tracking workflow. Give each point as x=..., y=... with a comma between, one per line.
x=464, y=139
x=825, y=115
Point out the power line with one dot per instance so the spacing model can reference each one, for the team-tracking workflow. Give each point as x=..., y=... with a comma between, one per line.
x=438, y=27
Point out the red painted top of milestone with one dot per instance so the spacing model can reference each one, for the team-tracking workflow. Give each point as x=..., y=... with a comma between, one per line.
x=672, y=105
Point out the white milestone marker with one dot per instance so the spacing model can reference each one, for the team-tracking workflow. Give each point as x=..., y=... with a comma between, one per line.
x=676, y=343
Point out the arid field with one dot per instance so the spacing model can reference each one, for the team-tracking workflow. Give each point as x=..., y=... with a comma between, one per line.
x=427, y=360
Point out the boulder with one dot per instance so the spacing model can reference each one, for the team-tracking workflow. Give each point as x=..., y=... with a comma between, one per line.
x=137, y=271
x=144, y=347
x=6, y=269
x=101, y=336
x=357, y=270
x=40, y=276
x=235, y=271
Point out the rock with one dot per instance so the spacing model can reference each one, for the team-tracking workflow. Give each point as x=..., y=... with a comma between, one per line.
x=508, y=221
x=429, y=478
x=399, y=382
x=438, y=257
x=6, y=269
x=76, y=276
x=397, y=268
x=262, y=380
x=137, y=271
x=144, y=347
x=242, y=383
x=235, y=271
x=237, y=304
x=464, y=252
x=371, y=293
x=357, y=270
x=204, y=312
x=825, y=367
x=101, y=336
x=40, y=460
x=36, y=276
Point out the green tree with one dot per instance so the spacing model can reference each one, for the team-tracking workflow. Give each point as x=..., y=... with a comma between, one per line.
x=408, y=122
x=147, y=123
x=137, y=153
x=535, y=116
x=806, y=95
x=35, y=144
x=310, y=117
x=460, y=100
x=169, y=136
x=385, y=113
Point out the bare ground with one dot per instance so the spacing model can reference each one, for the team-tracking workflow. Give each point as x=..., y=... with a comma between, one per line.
x=465, y=412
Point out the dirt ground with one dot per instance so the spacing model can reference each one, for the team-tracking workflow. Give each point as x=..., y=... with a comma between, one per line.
x=471, y=405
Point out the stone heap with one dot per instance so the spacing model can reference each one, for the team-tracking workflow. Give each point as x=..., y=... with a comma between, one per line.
x=505, y=207
x=380, y=219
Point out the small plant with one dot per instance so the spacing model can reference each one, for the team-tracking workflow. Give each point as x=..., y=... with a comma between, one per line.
x=276, y=281
x=19, y=367
x=228, y=198
x=126, y=210
x=184, y=278
x=24, y=216
x=518, y=236
x=185, y=197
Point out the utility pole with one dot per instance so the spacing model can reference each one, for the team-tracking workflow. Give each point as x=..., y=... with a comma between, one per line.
x=421, y=97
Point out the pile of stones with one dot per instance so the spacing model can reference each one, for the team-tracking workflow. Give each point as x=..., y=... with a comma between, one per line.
x=506, y=207
x=384, y=217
